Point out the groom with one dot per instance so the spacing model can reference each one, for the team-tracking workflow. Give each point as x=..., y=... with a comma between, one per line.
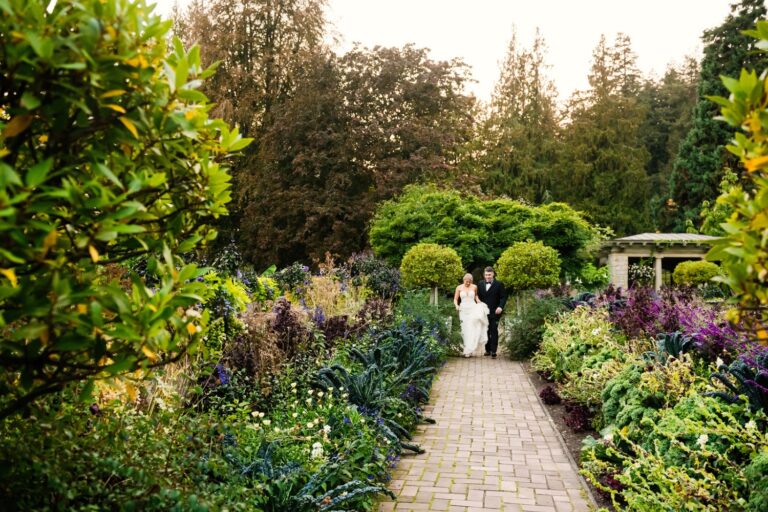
x=494, y=295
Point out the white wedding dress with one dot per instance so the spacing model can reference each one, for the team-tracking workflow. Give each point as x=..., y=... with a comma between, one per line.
x=474, y=323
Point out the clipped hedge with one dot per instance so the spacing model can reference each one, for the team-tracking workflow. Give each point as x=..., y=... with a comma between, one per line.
x=528, y=265
x=694, y=273
x=431, y=266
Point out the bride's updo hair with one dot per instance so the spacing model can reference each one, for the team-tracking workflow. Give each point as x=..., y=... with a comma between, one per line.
x=468, y=275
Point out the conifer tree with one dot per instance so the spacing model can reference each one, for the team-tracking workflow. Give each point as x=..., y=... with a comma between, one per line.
x=698, y=168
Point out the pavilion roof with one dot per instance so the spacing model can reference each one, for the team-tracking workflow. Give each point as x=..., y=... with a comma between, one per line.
x=662, y=239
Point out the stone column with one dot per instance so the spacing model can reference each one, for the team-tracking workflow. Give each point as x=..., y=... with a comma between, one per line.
x=618, y=266
x=657, y=272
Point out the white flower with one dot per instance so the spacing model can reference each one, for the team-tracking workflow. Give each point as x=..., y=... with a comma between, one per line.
x=320, y=394
x=595, y=331
x=751, y=425
x=309, y=401
x=327, y=429
x=277, y=429
x=311, y=391
x=719, y=362
x=295, y=415
x=267, y=422
x=254, y=413
x=317, y=450
x=310, y=424
x=293, y=384
x=702, y=440
x=261, y=415
x=191, y=312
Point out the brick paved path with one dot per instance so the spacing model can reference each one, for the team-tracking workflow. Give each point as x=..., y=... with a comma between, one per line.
x=493, y=447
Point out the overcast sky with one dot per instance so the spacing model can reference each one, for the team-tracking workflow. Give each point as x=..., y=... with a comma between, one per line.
x=478, y=31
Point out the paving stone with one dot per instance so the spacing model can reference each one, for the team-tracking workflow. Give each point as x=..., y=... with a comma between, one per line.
x=493, y=447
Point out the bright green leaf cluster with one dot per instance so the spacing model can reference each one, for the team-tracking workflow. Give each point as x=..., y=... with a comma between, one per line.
x=106, y=153
x=694, y=273
x=479, y=230
x=743, y=252
x=431, y=265
x=529, y=265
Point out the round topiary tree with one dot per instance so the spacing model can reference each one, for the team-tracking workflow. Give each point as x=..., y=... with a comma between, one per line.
x=528, y=265
x=694, y=273
x=432, y=266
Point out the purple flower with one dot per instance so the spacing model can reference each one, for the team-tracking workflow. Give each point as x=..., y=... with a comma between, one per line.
x=221, y=373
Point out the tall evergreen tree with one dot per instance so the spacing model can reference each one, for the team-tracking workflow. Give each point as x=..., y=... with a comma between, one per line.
x=699, y=165
x=602, y=171
x=517, y=139
x=669, y=104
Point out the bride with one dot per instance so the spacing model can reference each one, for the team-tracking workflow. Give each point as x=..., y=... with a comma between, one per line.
x=473, y=315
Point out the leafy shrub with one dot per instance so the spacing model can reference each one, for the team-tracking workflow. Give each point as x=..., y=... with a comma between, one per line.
x=528, y=265
x=479, y=230
x=590, y=277
x=640, y=390
x=109, y=460
x=742, y=251
x=550, y=396
x=572, y=337
x=690, y=457
x=523, y=329
x=641, y=275
x=695, y=273
x=751, y=380
x=622, y=402
x=431, y=265
x=291, y=333
x=756, y=474
x=293, y=278
x=375, y=274
x=578, y=417
x=107, y=153
x=585, y=383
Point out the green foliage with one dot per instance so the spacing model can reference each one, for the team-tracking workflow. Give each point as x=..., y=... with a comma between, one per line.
x=431, y=265
x=107, y=153
x=523, y=330
x=757, y=480
x=602, y=169
x=479, y=230
x=572, y=337
x=714, y=213
x=742, y=250
x=693, y=457
x=700, y=160
x=528, y=265
x=694, y=273
x=413, y=308
x=592, y=278
x=584, y=384
x=522, y=116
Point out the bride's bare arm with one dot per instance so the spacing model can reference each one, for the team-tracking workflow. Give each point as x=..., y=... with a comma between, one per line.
x=456, y=298
x=477, y=299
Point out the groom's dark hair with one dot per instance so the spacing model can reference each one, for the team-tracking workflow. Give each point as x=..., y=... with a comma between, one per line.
x=490, y=269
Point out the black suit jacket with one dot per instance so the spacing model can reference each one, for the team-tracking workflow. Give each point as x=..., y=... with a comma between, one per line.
x=495, y=297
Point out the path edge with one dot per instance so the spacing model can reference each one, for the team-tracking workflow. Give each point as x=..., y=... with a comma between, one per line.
x=561, y=440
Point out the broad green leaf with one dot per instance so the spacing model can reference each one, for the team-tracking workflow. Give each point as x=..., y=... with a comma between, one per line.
x=39, y=172
x=107, y=173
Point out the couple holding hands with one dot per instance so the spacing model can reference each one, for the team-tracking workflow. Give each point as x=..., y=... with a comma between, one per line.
x=479, y=310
